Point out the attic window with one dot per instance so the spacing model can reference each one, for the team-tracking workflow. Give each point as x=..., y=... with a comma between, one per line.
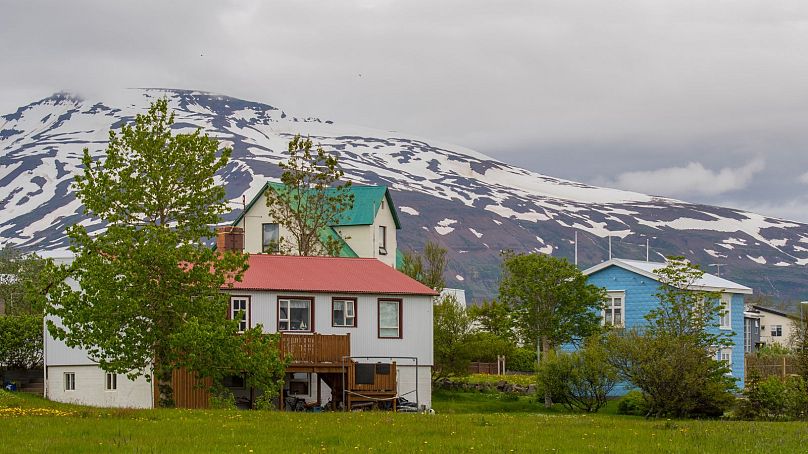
x=382, y=240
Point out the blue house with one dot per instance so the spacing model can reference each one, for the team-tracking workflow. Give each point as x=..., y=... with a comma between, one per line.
x=631, y=286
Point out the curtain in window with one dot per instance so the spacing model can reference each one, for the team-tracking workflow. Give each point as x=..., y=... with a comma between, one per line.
x=389, y=323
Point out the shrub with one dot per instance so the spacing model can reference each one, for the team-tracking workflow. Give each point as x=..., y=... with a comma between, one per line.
x=21, y=341
x=775, y=399
x=633, y=403
x=522, y=360
x=580, y=379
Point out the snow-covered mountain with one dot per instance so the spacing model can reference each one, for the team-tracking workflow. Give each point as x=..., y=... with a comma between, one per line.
x=472, y=204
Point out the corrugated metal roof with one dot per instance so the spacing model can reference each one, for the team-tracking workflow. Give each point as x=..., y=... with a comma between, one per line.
x=367, y=200
x=708, y=281
x=327, y=275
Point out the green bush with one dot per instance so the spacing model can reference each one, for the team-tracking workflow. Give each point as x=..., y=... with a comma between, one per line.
x=21, y=341
x=633, y=403
x=522, y=360
x=579, y=380
x=775, y=399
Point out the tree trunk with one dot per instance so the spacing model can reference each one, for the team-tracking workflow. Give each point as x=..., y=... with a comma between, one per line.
x=545, y=349
x=162, y=378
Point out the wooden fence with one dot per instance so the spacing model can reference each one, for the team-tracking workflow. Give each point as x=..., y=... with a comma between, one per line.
x=497, y=368
x=766, y=366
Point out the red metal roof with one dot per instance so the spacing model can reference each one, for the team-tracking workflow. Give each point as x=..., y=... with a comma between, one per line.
x=327, y=274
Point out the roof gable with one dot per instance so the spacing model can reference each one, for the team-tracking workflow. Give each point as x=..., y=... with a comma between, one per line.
x=367, y=202
x=708, y=282
x=294, y=273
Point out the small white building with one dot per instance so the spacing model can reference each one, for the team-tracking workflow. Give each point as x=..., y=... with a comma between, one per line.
x=367, y=230
x=775, y=326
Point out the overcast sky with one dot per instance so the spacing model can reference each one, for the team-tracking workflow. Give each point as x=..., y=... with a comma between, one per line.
x=706, y=101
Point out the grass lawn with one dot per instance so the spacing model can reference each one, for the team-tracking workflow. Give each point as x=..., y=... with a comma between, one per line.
x=465, y=422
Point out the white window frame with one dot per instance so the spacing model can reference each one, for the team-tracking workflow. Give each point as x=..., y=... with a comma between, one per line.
x=610, y=306
x=287, y=301
x=382, y=240
x=244, y=321
x=110, y=382
x=276, y=248
x=776, y=330
x=70, y=381
x=725, y=319
x=347, y=302
x=725, y=354
x=399, y=315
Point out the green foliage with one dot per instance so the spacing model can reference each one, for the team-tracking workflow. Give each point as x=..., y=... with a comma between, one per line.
x=522, y=359
x=774, y=398
x=150, y=288
x=773, y=350
x=427, y=268
x=579, y=380
x=452, y=329
x=309, y=200
x=21, y=341
x=633, y=403
x=551, y=301
x=21, y=282
x=496, y=318
x=485, y=347
x=672, y=358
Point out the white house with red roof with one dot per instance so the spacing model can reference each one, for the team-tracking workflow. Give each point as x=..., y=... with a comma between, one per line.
x=358, y=331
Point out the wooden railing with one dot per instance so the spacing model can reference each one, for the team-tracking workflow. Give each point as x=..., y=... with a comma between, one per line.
x=316, y=348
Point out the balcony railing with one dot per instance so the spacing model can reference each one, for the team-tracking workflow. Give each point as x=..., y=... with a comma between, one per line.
x=316, y=348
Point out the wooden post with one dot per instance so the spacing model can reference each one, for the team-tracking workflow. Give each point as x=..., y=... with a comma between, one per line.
x=784, y=366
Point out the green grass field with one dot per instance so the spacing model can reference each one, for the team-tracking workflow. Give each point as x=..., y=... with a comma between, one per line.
x=465, y=422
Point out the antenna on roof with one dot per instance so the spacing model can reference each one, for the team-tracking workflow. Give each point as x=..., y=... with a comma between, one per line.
x=610, y=246
x=647, y=250
x=717, y=268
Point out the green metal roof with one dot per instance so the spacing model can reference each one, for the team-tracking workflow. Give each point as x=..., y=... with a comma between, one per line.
x=367, y=200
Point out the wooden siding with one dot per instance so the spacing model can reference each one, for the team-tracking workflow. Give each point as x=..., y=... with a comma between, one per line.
x=316, y=348
x=187, y=392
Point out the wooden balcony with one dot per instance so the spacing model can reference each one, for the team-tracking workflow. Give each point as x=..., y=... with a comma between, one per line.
x=316, y=352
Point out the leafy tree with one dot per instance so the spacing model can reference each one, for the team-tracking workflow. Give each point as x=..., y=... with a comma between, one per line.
x=581, y=379
x=672, y=357
x=496, y=318
x=309, y=200
x=486, y=347
x=452, y=330
x=551, y=301
x=20, y=278
x=150, y=296
x=21, y=341
x=428, y=267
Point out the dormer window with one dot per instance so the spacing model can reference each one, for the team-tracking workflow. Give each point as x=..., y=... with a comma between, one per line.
x=382, y=240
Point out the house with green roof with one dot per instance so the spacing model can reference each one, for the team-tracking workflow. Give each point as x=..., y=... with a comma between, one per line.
x=367, y=230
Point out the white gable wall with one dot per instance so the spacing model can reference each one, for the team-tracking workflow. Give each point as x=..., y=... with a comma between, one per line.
x=768, y=321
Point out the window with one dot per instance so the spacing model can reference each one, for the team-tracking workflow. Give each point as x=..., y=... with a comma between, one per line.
x=294, y=314
x=777, y=330
x=725, y=354
x=382, y=240
x=240, y=310
x=343, y=312
x=726, y=314
x=70, y=381
x=613, y=314
x=111, y=382
x=271, y=240
x=390, y=319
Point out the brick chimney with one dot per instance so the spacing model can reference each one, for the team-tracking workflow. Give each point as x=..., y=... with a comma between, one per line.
x=229, y=238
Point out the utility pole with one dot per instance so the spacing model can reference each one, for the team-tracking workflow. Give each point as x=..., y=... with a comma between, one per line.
x=576, y=248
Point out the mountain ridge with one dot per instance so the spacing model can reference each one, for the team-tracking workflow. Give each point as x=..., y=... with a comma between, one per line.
x=471, y=203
